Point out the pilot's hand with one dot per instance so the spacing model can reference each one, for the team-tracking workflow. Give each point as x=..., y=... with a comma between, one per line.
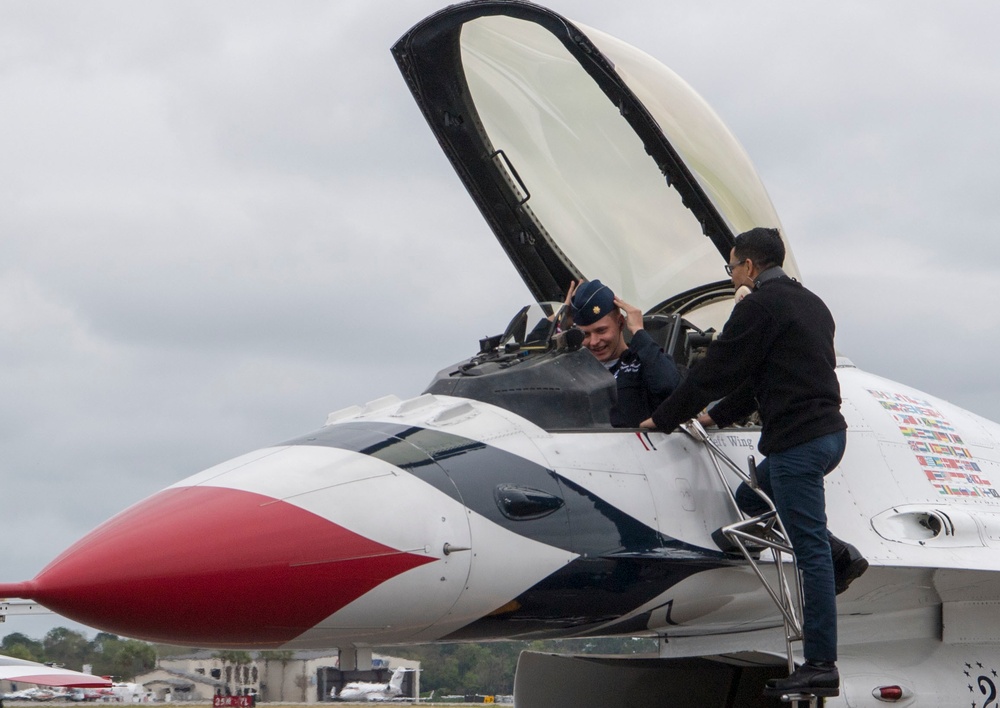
x=573, y=285
x=570, y=292
x=706, y=420
x=633, y=315
x=648, y=423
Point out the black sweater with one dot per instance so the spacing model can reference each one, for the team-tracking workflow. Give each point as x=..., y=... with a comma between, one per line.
x=775, y=355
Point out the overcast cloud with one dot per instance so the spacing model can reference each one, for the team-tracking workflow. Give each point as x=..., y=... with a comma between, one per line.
x=220, y=221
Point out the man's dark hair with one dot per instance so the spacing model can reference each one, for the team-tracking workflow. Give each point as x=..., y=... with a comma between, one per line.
x=761, y=245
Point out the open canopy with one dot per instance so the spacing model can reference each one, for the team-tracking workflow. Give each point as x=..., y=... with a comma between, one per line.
x=587, y=157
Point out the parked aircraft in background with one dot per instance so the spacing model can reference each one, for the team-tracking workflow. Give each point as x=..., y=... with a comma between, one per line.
x=500, y=504
x=365, y=691
x=23, y=671
x=36, y=693
x=126, y=692
x=87, y=694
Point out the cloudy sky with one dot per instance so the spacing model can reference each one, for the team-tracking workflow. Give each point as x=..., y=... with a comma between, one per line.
x=220, y=221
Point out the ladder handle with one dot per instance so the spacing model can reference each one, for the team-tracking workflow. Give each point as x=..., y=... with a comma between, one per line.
x=785, y=598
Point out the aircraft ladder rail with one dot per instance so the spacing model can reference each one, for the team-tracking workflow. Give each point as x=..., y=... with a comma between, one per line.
x=770, y=534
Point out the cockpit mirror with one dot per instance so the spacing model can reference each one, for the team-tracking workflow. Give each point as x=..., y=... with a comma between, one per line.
x=514, y=334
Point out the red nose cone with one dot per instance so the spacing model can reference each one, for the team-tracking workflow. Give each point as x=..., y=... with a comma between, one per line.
x=214, y=567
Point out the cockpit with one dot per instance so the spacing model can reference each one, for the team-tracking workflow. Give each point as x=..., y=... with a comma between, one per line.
x=588, y=159
x=538, y=368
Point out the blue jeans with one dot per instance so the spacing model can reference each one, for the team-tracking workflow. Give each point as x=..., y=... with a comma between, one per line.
x=793, y=479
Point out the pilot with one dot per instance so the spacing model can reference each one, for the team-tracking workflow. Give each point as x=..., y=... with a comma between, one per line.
x=776, y=355
x=644, y=374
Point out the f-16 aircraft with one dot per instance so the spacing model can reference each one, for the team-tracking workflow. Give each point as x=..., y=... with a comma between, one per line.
x=367, y=691
x=500, y=504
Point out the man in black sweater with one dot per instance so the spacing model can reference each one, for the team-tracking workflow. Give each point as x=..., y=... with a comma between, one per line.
x=776, y=356
x=644, y=374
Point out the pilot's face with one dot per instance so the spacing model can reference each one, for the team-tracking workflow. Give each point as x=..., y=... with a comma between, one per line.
x=604, y=338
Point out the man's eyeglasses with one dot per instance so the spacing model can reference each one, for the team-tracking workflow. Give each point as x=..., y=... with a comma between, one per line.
x=729, y=268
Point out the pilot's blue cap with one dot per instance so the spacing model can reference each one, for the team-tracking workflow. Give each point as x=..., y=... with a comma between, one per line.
x=592, y=301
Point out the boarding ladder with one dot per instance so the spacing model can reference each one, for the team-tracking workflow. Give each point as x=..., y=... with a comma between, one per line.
x=770, y=533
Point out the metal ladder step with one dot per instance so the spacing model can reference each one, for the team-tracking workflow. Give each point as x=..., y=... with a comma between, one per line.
x=753, y=535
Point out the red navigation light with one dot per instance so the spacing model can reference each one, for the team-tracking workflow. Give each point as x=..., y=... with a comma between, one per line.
x=888, y=693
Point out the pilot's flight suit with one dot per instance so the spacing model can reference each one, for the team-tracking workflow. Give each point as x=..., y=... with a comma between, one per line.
x=645, y=376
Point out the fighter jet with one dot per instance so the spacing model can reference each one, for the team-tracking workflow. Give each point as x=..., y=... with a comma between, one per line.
x=500, y=504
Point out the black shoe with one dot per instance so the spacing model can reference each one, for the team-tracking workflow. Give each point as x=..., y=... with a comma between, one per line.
x=727, y=545
x=848, y=566
x=815, y=678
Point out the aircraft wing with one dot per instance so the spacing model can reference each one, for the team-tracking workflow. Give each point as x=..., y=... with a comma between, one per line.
x=12, y=669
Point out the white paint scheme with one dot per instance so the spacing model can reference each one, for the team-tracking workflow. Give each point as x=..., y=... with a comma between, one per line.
x=346, y=487
x=491, y=583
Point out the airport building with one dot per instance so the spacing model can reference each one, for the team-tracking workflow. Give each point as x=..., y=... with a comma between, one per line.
x=295, y=677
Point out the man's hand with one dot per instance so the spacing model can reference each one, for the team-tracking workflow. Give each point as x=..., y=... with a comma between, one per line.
x=706, y=420
x=648, y=423
x=633, y=316
x=573, y=285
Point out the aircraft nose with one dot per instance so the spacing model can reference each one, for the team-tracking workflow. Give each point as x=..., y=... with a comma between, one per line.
x=214, y=565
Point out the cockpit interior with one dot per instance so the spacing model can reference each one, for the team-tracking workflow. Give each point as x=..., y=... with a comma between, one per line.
x=539, y=369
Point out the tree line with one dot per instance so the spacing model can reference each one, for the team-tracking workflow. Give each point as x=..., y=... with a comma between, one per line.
x=108, y=654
